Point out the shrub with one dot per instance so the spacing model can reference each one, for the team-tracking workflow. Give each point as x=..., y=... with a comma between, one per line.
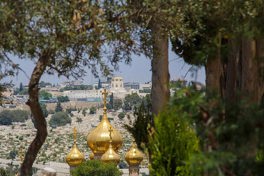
x=9, y=116
x=96, y=168
x=92, y=110
x=131, y=101
x=44, y=109
x=139, y=128
x=172, y=144
x=121, y=115
x=63, y=99
x=58, y=107
x=59, y=119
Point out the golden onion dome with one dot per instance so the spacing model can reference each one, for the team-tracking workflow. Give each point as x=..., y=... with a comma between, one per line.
x=134, y=156
x=98, y=139
x=75, y=157
x=110, y=155
x=91, y=156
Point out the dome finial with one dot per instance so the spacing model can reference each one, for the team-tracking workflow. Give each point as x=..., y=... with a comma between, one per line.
x=104, y=93
x=110, y=155
x=74, y=135
x=75, y=157
x=98, y=139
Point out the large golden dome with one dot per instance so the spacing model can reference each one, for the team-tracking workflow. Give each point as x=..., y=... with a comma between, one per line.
x=75, y=157
x=98, y=139
x=134, y=156
x=110, y=155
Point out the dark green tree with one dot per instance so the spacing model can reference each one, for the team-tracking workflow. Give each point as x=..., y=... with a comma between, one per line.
x=44, y=109
x=58, y=107
x=63, y=99
x=131, y=101
x=45, y=95
x=96, y=167
x=142, y=125
x=121, y=115
x=92, y=110
x=117, y=104
x=9, y=116
x=84, y=112
x=21, y=87
x=59, y=119
x=99, y=86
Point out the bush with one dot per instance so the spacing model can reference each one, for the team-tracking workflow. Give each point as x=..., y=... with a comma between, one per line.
x=58, y=107
x=9, y=116
x=63, y=99
x=139, y=128
x=131, y=101
x=96, y=168
x=121, y=115
x=59, y=119
x=92, y=110
x=44, y=109
x=173, y=143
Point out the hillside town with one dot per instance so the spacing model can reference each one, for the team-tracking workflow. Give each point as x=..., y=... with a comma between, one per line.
x=83, y=103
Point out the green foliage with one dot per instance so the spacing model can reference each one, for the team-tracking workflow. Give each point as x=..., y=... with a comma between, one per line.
x=45, y=95
x=9, y=116
x=63, y=99
x=44, y=109
x=121, y=115
x=131, y=101
x=97, y=168
x=58, y=107
x=59, y=119
x=173, y=143
x=92, y=110
x=84, y=112
x=77, y=87
x=231, y=135
x=12, y=154
x=117, y=104
x=79, y=120
x=44, y=84
x=142, y=123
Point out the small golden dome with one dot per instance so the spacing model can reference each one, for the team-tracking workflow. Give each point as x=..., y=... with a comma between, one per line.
x=98, y=139
x=134, y=156
x=110, y=155
x=91, y=156
x=75, y=157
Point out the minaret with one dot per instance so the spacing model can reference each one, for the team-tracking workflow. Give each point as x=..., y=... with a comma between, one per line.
x=75, y=157
x=110, y=155
x=98, y=139
x=134, y=157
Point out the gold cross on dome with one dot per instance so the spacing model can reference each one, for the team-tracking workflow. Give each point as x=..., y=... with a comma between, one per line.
x=74, y=134
x=104, y=93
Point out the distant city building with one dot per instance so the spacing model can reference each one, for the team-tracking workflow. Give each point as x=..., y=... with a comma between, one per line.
x=84, y=95
x=132, y=85
x=71, y=83
x=117, y=83
x=117, y=87
x=145, y=86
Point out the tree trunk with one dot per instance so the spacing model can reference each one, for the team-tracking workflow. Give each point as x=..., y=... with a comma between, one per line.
x=231, y=71
x=249, y=70
x=214, y=71
x=260, y=73
x=38, y=117
x=160, y=69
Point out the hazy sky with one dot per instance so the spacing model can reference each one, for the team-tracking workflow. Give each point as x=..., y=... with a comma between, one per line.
x=138, y=71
